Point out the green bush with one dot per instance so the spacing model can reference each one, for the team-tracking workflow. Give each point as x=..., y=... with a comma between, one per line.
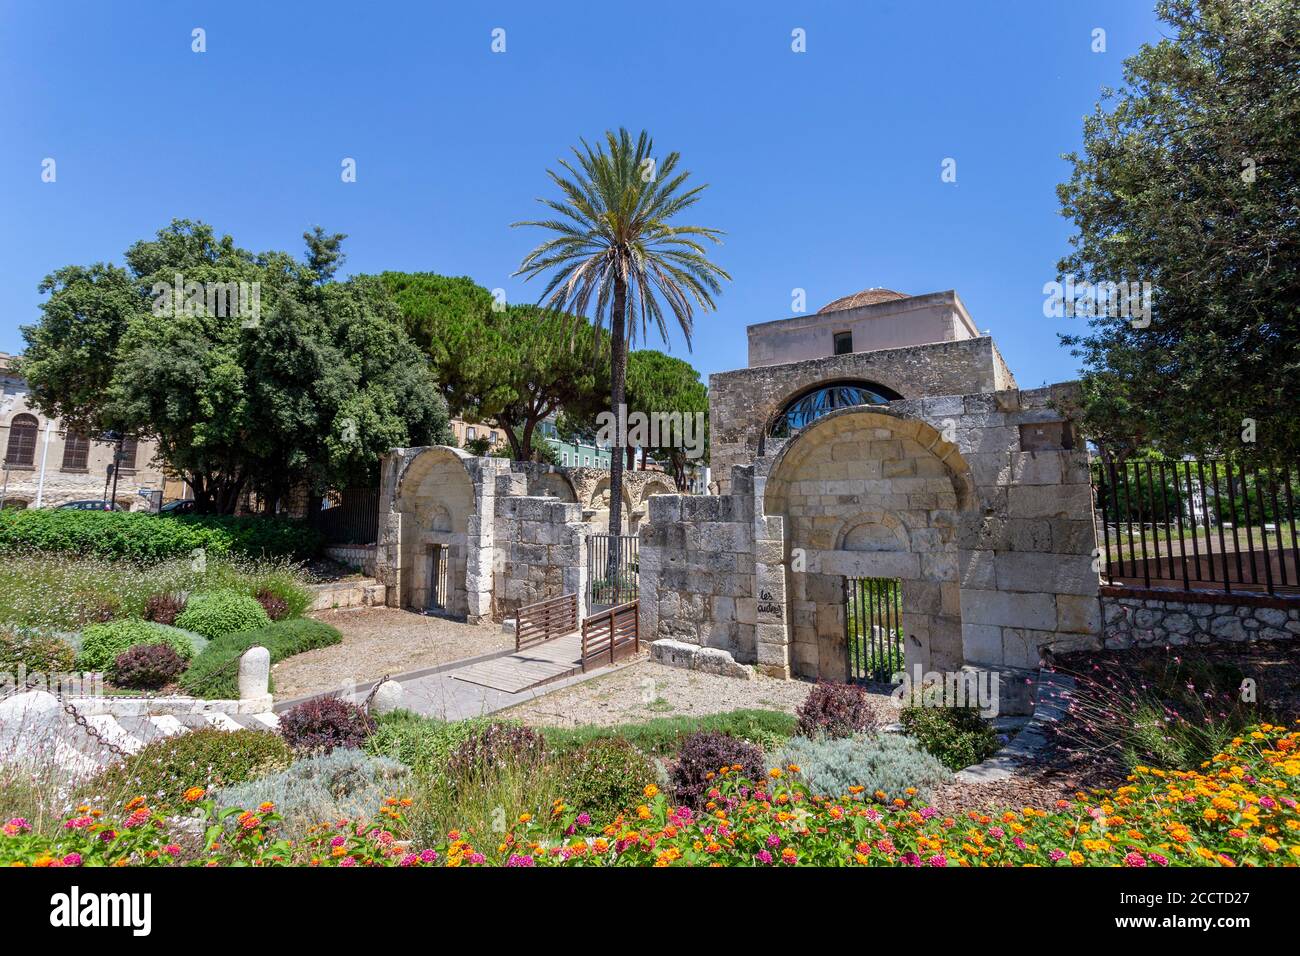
x=663, y=736
x=424, y=744
x=140, y=537
x=162, y=771
x=221, y=613
x=36, y=652
x=52, y=593
x=215, y=673
x=885, y=763
x=102, y=643
x=958, y=736
x=605, y=776
x=343, y=784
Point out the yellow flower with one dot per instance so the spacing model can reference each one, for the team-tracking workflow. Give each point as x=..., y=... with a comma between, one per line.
x=193, y=794
x=651, y=791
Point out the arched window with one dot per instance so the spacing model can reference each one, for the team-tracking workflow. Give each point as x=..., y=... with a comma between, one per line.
x=76, y=451
x=21, y=451
x=825, y=398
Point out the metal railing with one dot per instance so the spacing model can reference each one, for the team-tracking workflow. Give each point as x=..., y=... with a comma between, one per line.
x=351, y=516
x=603, y=587
x=1198, y=524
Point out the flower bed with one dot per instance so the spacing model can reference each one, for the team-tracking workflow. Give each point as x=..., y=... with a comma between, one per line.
x=1239, y=808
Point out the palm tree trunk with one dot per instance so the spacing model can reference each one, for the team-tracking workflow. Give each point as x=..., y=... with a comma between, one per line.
x=617, y=396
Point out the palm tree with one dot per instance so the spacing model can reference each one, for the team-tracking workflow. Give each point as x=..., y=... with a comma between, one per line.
x=616, y=253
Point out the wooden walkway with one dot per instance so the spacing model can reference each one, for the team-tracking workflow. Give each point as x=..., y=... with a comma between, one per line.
x=539, y=664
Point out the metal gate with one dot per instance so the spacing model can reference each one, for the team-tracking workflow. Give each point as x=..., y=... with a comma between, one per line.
x=604, y=589
x=439, y=578
x=873, y=627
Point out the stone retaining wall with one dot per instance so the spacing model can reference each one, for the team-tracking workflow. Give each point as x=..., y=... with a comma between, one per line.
x=1147, y=620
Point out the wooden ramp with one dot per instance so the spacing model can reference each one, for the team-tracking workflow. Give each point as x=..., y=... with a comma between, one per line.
x=538, y=664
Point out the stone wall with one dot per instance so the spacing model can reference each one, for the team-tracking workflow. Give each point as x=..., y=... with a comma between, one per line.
x=979, y=504
x=1148, y=620
x=743, y=403
x=539, y=548
x=697, y=572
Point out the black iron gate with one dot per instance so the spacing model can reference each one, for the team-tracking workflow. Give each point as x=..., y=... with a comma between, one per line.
x=605, y=589
x=439, y=578
x=873, y=627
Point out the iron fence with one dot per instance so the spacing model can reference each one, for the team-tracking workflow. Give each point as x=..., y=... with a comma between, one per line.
x=1198, y=524
x=610, y=584
x=350, y=516
x=873, y=625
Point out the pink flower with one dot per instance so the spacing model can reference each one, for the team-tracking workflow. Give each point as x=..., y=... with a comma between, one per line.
x=72, y=859
x=583, y=819
x=348, y=861
x=997, y=833
x=171, y=849
x=409, y=859
x=338, y=841
x=477, y=858
x=1057, y=855
x=16, y=826
x=1135, y=859
x=763, y=856
x=1157, y=859
x=938, y=860
x=518, y=859
x=773, y=840
x=78, y=823
x=428, y=856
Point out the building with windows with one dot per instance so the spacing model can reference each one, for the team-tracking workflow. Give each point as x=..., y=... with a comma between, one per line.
x=573, y=454
x=465, y=432
x=45, y=465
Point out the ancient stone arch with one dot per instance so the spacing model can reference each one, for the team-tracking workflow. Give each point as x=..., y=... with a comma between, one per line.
x=436, y=503
x=866, y=493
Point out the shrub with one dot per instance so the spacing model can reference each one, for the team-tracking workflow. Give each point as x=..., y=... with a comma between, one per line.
x=36, y=652
x=493, y=745
x=140, y=537
x=164, y=608
x=215, y=671
x=221, y=613
x=147, y=666
x=883, y=763
x=102, y=643
x=324, y=723
x=424, y=744
x=958, y=736
x=835, y=710
x=276, y=607
x=605, y=777
x=663, y=736
x=164, y=770
x=345, y=783
x=97, y=609
x=701, y=756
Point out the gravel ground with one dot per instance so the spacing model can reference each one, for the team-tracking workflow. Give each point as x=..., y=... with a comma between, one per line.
x=645, y=690
x=379, y=641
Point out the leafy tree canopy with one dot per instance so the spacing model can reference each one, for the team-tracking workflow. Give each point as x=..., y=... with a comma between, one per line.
x=1189, y=180
x=288, y=378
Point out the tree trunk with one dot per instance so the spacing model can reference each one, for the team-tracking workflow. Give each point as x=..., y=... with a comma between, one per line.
x=526, y=442
x=617, y=397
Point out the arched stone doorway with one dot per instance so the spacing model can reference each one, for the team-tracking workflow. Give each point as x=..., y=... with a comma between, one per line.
x=868, y=494
x=435, y=498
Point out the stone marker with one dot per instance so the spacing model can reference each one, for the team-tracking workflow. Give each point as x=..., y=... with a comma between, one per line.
x=255, y=674
x=388, y=697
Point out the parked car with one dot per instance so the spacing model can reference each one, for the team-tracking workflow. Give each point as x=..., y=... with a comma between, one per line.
x=183, y=507
x=98, y=504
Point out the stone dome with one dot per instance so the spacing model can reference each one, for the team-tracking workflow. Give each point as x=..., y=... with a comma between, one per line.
x=859, y=299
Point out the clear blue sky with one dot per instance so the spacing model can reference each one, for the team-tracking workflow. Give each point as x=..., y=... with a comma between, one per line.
x=825, y=166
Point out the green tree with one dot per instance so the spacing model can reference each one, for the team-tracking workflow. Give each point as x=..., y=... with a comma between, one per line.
x=324, y=255
x=514, y=365
x=1189, y=180
x=661, y=384
x=309, y=385
x=616, y=254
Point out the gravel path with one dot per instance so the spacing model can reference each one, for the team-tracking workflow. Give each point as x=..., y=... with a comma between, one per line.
x=379, y=641
x=646, y=690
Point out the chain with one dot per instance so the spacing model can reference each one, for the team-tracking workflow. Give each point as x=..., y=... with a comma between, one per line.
x=374, y=690
x=83, y=723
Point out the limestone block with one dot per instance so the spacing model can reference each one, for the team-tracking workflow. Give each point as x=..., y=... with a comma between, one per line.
x=1037, y=467
x=1050, y=573
x=254, y=673
x=1035, y=611
x=982, y=643
x=709, y=660
x=388, y=698
x=1050, y=501
x=1078, y=614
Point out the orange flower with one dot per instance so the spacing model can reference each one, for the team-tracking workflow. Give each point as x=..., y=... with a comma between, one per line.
x=193, y=794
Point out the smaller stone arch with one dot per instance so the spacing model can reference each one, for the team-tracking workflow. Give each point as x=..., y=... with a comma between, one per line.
x=435, y=497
